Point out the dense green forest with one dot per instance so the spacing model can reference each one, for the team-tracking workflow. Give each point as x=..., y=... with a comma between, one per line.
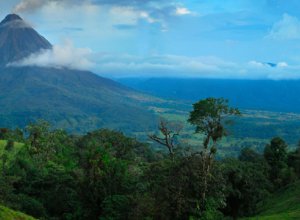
x=50, y=174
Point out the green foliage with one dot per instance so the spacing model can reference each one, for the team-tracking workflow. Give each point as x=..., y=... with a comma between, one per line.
x=106, y=175
x=175, y=188
x=208, y=115
x=246, y=185
x=276, y=154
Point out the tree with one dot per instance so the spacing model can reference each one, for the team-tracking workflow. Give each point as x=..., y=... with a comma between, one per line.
x=169, y=131
x=246, y=185
x=275, y=154
x=210, y=117
x=45, y=144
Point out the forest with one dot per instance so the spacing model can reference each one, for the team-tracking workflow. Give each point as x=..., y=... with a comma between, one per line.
x=49, y=173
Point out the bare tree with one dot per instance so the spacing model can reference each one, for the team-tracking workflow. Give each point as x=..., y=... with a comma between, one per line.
x=169, y=131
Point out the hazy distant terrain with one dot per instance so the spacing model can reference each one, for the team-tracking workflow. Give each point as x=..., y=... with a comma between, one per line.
x=270, y=95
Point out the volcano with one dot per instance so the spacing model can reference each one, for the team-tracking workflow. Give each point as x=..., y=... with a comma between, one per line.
x=18, y=39
x=71, y=99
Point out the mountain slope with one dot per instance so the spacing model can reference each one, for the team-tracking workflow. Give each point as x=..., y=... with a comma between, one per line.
x=78, y=100
x=71, y=99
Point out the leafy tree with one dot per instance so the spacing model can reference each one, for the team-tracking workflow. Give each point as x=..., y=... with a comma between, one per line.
x=109, y=172
x=210, y=116
x=175, y=187
x=45, y=144
x=246, y=184
x=276, y=155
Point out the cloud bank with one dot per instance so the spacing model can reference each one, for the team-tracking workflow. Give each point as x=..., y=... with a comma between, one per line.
x=119, y=66
x=125, y=65
x=60, y=56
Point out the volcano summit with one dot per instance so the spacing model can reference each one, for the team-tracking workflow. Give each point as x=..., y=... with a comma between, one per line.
x=18, y=39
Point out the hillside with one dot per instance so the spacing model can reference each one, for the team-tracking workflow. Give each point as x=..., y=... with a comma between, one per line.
x=8, y=214
x=284, y=205
x=77, y=100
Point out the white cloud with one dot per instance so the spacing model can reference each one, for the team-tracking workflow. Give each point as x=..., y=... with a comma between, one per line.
x=182, y=11
x=59, y=56
x=282, y=64
x=254, y=63
x=288, y=28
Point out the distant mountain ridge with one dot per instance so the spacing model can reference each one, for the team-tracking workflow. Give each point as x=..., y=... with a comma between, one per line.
x=71, y=99
x=270, y=95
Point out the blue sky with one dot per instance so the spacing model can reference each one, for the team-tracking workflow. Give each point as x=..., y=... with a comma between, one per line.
x=190, y=38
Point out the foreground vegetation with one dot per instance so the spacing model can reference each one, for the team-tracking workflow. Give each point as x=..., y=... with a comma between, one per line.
x=50, y=174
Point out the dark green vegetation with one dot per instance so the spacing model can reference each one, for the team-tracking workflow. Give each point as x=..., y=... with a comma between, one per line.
x=50, y=174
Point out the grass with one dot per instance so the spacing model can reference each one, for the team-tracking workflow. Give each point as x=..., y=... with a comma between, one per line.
x=8, y=214
x=283, y=205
